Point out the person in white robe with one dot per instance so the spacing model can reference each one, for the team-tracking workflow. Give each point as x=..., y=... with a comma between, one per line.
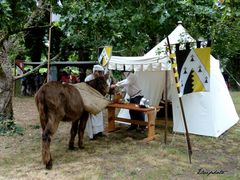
x=95, y=123
x=133, y=89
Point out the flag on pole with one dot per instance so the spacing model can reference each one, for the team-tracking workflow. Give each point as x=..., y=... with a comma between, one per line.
x=104, y=55
x=193, y=66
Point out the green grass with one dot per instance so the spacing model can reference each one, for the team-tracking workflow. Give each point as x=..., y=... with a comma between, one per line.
x=236, y=100
x=120, y=155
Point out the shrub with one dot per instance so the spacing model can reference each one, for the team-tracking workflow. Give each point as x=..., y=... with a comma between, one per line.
x=9, y=127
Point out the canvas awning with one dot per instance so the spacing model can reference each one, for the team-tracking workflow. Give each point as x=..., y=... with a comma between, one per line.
x=140, y=63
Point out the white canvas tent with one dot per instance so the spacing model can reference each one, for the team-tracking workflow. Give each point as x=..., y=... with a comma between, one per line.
x=207, y=113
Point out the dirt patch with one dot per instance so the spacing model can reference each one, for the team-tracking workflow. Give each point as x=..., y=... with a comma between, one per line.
x=119, y=155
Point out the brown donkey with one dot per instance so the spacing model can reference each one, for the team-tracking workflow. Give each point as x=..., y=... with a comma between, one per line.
x=62, y=102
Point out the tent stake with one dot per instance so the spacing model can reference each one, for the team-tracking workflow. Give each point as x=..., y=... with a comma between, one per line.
x=182, y=110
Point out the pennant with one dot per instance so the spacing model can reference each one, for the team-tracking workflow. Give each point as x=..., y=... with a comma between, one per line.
x=104, y=55
x=193, y=66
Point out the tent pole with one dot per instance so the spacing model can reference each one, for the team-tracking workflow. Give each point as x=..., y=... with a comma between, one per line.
x=182, y=109
x=186, y=129
x=14, y=82
x=166, y=106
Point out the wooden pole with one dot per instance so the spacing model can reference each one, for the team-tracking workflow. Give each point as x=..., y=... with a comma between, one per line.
x=166, y=106
x=182, y=109
x=14, y=82
x=49, y=44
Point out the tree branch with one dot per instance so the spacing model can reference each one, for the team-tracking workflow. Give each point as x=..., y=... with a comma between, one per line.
x=35, y=69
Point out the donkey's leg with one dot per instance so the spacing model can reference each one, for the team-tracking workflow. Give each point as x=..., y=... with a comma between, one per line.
x=73, y=133
x=45, y=138
x=81, y=128
x=42, y=116
x=46, y=156
x=50, y=129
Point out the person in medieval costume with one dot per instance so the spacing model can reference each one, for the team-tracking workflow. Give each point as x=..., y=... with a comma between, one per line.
x=95, y=124
x=132, y=88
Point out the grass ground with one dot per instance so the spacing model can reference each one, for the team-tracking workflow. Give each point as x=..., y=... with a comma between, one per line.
x=119, y=155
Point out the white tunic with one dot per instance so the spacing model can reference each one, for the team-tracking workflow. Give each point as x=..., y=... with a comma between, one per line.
x=95, y=122
x=131, y=86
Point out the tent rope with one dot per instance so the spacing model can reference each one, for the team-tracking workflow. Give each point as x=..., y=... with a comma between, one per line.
x=232, y=77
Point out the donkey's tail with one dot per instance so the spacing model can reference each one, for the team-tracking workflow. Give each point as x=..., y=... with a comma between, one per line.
x=41, y=106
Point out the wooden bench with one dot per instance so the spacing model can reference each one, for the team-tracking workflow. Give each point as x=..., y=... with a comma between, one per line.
x=151, y=114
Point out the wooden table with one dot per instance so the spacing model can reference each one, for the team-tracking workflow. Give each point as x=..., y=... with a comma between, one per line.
x=151, y=114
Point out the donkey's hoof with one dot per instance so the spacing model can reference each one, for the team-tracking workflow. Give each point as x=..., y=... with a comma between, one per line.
x=81, y=147
x=71, y=148
x=49, y=165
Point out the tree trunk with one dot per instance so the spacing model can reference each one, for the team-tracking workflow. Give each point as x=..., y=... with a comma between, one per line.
x=6, y=85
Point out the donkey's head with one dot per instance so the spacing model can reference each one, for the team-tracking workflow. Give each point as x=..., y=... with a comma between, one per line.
x=100, y=84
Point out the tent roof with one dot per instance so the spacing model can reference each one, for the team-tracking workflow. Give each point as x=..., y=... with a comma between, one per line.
x=156, y=59
x=178, y=35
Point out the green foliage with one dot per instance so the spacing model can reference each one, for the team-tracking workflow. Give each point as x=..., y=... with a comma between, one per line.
x=131, y=27
x=25, y=22
x=13, y=17
x=117, y=75
x=9, y=127
x=95, y=24
x=225, y=33
x=18, y=49
x=14, y=14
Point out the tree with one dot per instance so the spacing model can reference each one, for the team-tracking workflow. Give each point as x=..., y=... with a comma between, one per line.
x=131, y=27
x=12, y=15
x=226, y=34
x=15, y=16
x=134, y=27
